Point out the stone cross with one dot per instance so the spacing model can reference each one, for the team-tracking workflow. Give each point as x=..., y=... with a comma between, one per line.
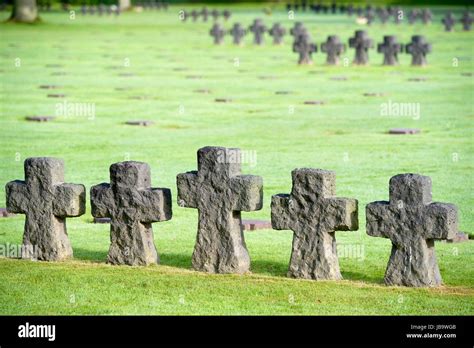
x=298, y=27
x=361, y=42
x=426, y=16
x=370, y=17
x=226, y=14
x=215, y=14
x=333, y=47
x=397, y=11
x=305, y=48
x=237, y=32
x=390, y=49
x=205, y=14
x=217, y=32
x=313, y=212
x=448, y=21
x=278, y=32
x=258, y=29
x=384, y=15
x=412, y=222
x=466, y=21
x=132, y=205
x=194, y=15
x=46, y=201
x=413, y=16
x=220, y=193
x=418, y=48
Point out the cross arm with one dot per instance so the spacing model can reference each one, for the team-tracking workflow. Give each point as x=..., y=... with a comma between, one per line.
x=17, y=196
x=377, y=215
x=69, y=200
x=247, y=192
x=441, y=221
x=187, y=184
x=102, y=200
x=155, y=205
x=344, y=212
x=280, y=207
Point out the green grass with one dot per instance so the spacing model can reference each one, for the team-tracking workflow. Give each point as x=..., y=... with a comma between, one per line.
x=347, y=135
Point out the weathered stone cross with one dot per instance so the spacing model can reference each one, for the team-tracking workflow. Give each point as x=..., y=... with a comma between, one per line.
x=220, y=193
x=466, y=20
x=313, y=213
x=390, y=49
x=258, y=29
x=384, y=15
x=237, y=32
x=46, y=201
x=333, y=47
x=304, y=47
x=412, y=222
x=277, y=32
x=448, y=21
x=426, y=16
x=298, y=27
x=361, y=42
x=132, y=205
x=217, y=32
x=418, y=48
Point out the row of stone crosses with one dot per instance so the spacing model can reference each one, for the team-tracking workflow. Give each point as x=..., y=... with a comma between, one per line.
x=220, y=193
x=204, y=14
x=384, y=13
x=304, y=46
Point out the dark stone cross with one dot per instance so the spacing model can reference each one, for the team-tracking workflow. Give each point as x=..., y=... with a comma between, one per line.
x=258, y=29
x=204, y=14
x=277, y=32
x=194, y=15
x=384, y=15
x=390, y=49
x=333, y=47
x=313, y=212
x=220, y=193
x=298, y=27
x=305, y=48
x=132, y=205
x=361, y=42
x=413, y=16
x=46, y=201
x=217, y=32
x=448, y=21
x=370, y=17
x=418, y=48
x=426, y=16
x=215, y=14
x=466, y=21
x=226, y=14
x=237, y=32
x=412, y=222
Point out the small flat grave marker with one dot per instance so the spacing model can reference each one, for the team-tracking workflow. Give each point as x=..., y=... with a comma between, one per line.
x=56, y=96
x=222, y=100
x=314, y=102
x=404, y=131
x=39, y=118
x=143, y=123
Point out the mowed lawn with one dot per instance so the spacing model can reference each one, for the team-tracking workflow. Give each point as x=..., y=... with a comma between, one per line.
x=149, y=66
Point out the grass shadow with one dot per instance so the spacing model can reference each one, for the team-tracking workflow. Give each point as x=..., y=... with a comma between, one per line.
x=90, y=255
x=356, y=276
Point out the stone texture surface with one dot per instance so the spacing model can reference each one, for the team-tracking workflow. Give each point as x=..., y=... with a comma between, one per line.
x=418, y=48
x=220, y=193
x=217, y=32
x=237, y=32
x=132, y=205
x=412, y=222
x=334, y=48
x=258, y=29
x=390, y=49
x=46, y=201
x=277, y=32
x=304, y=47
x=313, y=212
x=361, y=42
